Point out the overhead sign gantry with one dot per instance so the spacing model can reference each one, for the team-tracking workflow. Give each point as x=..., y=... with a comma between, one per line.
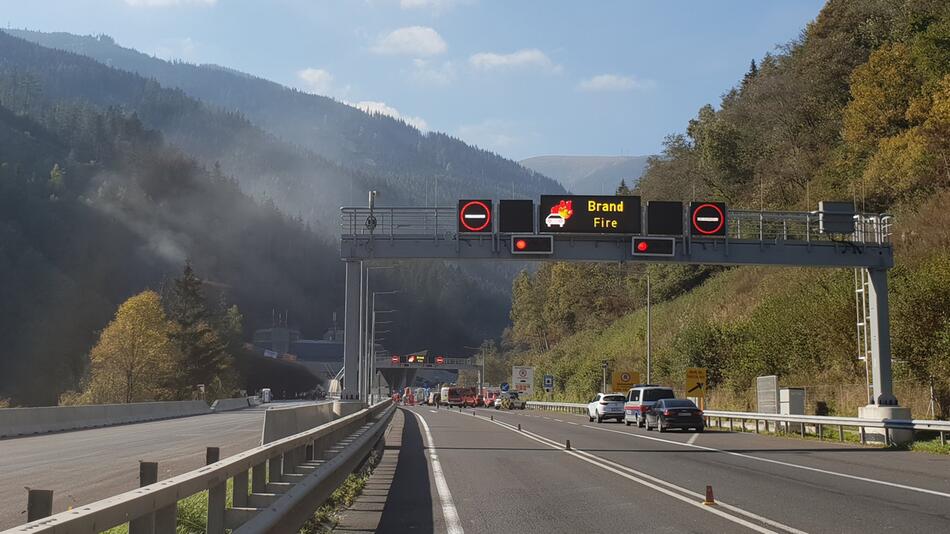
x=619, y=229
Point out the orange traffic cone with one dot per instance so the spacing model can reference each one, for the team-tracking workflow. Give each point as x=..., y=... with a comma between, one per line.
x=710, y=500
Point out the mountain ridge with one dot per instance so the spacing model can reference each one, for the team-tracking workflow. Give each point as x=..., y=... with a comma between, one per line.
x=590, y=175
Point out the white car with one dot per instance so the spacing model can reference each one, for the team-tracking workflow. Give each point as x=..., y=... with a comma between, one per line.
x=554, y=219
x=606, y=406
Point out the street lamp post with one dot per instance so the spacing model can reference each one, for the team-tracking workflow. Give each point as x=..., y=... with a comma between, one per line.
x=649, y=332
x=372, y=366
x=481, y=374
x=365, y=353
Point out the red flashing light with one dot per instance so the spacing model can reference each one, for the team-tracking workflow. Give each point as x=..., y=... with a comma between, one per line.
x=395, y=359
x=521, y=244
x=642, y=246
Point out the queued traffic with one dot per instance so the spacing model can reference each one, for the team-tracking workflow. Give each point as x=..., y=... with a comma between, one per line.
x=648, y=406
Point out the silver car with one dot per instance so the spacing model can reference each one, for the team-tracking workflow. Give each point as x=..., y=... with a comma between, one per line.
x=606, y=406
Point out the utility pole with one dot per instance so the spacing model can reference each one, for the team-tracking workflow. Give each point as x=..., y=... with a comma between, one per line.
x=649, y=331
x=603, y=388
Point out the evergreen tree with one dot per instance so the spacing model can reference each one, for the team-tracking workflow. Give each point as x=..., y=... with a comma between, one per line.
x=623, y=189
x=203, y=354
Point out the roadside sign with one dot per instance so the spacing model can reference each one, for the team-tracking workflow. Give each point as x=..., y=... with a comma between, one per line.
x=522, y=380
x=474, y=216
x=548, y=382
x=696, y=382
x=505, y=386
x=440, y=360
x=621, y=381
x=707, y=219
x=589, y=214
x=603, y=364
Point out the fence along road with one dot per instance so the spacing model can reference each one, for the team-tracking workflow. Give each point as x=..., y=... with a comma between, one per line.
x=87, y=465
x=292, y=477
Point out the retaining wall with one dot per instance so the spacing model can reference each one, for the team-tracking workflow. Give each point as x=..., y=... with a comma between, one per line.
x=26, y=421
x=227, y=405
x=282, y=422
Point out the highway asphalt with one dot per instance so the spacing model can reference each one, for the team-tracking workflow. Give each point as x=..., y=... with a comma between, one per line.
x=478, y=475
x=84, y=466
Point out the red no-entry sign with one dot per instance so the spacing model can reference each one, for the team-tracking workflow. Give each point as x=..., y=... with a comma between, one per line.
x=475, y=216
x=708, y=219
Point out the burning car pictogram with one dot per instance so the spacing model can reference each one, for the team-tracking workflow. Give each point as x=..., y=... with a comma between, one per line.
x=560, y=213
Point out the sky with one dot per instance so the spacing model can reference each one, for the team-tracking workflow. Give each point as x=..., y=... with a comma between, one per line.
x=520, y=78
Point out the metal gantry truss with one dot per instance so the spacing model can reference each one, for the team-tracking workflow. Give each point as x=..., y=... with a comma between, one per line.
x=372, y=235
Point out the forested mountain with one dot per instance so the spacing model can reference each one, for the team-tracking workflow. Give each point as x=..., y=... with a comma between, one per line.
x=590, y=175
x=300, y=182
x=405, y=159
x=147, y=177
x=857, y=108
x=94, y=207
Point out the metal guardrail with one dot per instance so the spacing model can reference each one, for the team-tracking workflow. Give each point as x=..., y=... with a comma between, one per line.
x=439, y=223
x=289, y=478
x=782, y=422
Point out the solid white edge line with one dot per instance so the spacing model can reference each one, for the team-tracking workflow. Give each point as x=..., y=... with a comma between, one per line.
x=600, y=462
x=779, y=462
x=449, y=513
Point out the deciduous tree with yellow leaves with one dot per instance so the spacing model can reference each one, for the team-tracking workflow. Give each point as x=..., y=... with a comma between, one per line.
x=134, y=359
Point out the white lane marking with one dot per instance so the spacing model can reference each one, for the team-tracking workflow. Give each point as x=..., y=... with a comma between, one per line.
x=642, y=479
x=559, y=421
x=449, y=513
x=692, y=439
x=572, y=423
x=779, y=462
x=433, y=411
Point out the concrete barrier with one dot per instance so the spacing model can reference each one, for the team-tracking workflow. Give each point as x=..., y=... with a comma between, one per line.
x=282, y=422
x=42, y=420
x=228, y=405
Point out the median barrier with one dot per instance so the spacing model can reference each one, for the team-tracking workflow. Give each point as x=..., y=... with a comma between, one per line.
x=282, y=422
x=227, y=405
x=46, y=419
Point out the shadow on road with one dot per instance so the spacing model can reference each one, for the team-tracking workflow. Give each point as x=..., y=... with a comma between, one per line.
x=408, y=506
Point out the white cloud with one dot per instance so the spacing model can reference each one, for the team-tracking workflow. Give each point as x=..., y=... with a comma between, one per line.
x=320, y=82
x=316, y=80
x=497, y=135
x=417, y=41
x=183, y=49
x=167, y=3
x=614, y=82
x=526, y=58
x=382, y=108
x=425, y=72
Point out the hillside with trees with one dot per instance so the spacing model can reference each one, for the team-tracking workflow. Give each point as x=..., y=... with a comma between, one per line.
x=112, y=181
x=856, y=108
x=398, y=157
x=94, y=207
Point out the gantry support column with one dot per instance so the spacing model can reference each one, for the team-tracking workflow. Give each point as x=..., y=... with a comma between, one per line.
x=351, y=330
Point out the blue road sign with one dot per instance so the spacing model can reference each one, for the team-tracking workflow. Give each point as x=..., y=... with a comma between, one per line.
x=549, y=381
x=504, y=386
